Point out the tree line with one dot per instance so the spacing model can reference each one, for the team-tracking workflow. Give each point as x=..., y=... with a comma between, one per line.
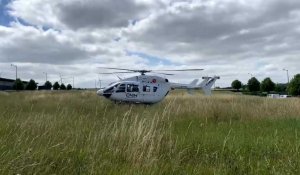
x=267, y=85
x=32, y=85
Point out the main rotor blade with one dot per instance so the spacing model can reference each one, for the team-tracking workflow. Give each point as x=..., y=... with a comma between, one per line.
x=181, y=70
x=113, y=68
x=145, y=71
x=115, y=72
x=162, y=73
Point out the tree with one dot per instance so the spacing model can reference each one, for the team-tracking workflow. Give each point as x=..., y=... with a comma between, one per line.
x=294, y=86
x=48, y=85
x=18, y=85
x=253, y=85
x=69, y=87
x=236, y=84
x=267, y=85
x=62, y=87
x=31, y=85
x=280, y=88
x=56, y=86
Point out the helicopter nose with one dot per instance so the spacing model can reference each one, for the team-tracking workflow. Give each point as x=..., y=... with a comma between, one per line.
x=100, y=92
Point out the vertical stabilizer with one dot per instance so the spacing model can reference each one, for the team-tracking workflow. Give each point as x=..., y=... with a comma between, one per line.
x=208, y=84
x=194, y=82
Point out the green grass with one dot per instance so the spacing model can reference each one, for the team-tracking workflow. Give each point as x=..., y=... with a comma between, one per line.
x=80, y=133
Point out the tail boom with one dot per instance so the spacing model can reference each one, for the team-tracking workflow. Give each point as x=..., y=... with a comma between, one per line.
x=205, y=85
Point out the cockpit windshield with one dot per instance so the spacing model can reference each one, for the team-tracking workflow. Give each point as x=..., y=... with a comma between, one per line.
x=120, y=88
x=110, y=88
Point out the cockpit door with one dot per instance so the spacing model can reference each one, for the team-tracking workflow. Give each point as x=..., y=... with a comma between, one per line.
x=147, y=93
x=132, y=92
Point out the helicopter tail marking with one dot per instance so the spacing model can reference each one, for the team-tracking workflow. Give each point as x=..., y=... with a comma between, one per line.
x=209, y=82
x=205, y=80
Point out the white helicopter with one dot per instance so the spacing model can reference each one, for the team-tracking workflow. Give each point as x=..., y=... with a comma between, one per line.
x=149, y=89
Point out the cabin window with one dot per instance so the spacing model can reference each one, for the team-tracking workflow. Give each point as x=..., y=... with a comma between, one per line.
x=146, y=88
x=121, y=88
x=154, y=89
x=132, y=88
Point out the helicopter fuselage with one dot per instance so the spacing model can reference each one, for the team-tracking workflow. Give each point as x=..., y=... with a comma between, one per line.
x=138, y=89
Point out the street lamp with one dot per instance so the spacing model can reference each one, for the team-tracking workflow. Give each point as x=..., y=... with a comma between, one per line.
x=71, y=77
x=60, y=78
x=287, y=74
x=99, y=81
x=12, y=65
x=73, y=82
x=46, y=76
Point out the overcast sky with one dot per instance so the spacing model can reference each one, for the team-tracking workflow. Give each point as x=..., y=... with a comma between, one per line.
x=229, y=38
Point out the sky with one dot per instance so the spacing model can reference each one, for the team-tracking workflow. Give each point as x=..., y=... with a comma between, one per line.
x=233, y=39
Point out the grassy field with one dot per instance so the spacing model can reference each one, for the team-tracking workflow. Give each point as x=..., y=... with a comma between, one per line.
x=81, y=133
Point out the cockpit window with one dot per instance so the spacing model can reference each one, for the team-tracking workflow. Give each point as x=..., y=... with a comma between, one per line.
x=121, y=88
x=132, y=88
x=154, y=89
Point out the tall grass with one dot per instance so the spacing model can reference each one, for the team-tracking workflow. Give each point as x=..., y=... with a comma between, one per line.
x=80, y=133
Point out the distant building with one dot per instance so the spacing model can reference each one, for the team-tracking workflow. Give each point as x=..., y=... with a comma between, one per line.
x=7, y=84
x=278, y=96
x=43, y=87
